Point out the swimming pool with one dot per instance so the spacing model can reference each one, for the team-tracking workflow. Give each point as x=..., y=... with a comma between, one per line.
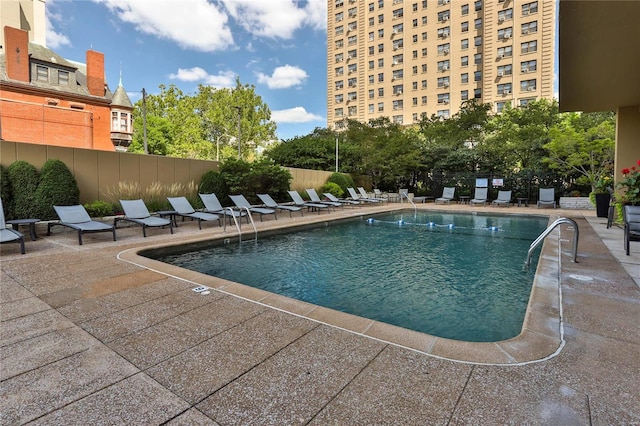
x=454, y=276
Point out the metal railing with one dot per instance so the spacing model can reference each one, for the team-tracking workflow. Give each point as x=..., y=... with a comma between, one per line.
x=404, y=194
x=238, y=226
x=547, y=231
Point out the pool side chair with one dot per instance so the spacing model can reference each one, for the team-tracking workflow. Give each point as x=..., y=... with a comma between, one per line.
x=504, y=199
x=183, y=208
x=315, y=198
x=314, y=207
x=480, y=197
x=447, y=195
x=135, y=211
x=243, y=204
x=631, y=225
x=333, y=198
x=547, y=197
x=271, y=203
x=77, y=218
x=212, y=205
x=9, y=235
x=364, y=194
x=356, y=197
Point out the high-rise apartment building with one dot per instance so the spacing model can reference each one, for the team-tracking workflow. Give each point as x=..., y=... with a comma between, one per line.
x=401, y=59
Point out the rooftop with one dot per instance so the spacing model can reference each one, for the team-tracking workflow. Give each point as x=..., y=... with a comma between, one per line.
x=90, y=335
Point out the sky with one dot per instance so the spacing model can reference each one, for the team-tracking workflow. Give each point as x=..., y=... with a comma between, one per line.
x=279, y=46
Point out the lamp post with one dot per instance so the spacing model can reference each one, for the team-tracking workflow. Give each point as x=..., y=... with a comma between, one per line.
x=239, y=116
x=336, y=153
x=144, y=120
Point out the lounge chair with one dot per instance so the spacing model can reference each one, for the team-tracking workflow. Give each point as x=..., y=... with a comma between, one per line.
x=212, y=205
x=183, y=208
x=315, y=198
x=504, y=199
x=298, y=201
x=333, y=198
x=480, y=197
x=631, y=225
x=271, y=203
x=447, y=195
x=76, y=217
x=9, y=235
x=135, y=211
x=364, y=194
x=356, y=197
x=547, y=197
x=241, y=202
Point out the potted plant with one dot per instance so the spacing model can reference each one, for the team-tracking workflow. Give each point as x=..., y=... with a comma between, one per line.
x=629, y=185
x=600, y=196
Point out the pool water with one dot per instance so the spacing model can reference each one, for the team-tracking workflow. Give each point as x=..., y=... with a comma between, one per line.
x=455, y=276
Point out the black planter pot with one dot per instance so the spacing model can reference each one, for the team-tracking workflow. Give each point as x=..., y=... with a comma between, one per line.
x=602, y=204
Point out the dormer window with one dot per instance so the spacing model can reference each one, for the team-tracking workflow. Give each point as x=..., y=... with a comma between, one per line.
x=42, y=73
x=120, y=122
x=63, y=78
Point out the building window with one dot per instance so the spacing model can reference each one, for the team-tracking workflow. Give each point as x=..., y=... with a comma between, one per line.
x=398, y=89
x=504, y=89
x=371, y=93
x=381, y=92
x=464, y=61
x=505, y=33
x=380, y=106
x=500, y=106
x=528, y=85
x=443, y=66
x=339, y=3
x=414, y=7
x=424, y=36
x=465, y=26
x=339, y=43
x=380, y=19
x=505, y=52
x=464, y=44
x=381, y=63
x=380, y=4
x=529, y=8
x=381, y=77
x=63, y=78
x=529, y=27
x=371, y=6
x=397, y=119
x=477, y=76
x=443, y=98
x=339, y=71
x=423, y=100
x=414, y=85
x=352, y=54
x=424, y=51
x=352, y=82
x=352, y=26
x=528, y=66
x=464, y=95
x=414, y=54
x=526, y=101
x=371, y=50
x=380, y=33
x=371, y=108
x=414, y=69
x=397, y=105
x=353, y=12
x=398, y=44
x=339, y=84
x=398, y=13
x=42, y=73
x=477, y=93
x=352, y=40
x=352, y=96
x=380, y=48
x=505, y=70
x=414, y=117
x=339, y=112
x=529, y=46
x=414, y=23
x=339, y=98
x=443, y=82
x=339, y=16
x=477, y=41
x=477, y=59
x=477, y=23
x=424, y=4
x=443, y=49
x=397, y=29
x=443, y=113
x=414, y=38
x=339, y=57
x=397, y=75
x=504, y=15
x=442, y=16
x=423, y=84
x=414, y=101
x=353, y=110
x=465, y=9
x=397, y=59
x=424, y=68
x=478, y=5
x=464, y=78
x=444, y=32
x=371, y=22
x=371, y=65
x=339, y=30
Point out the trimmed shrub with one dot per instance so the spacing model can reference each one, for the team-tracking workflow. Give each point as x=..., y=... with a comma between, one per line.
x=268, y=178
x=342, y=180
x=236, y=175
x=99, y=208
x=333, y=188
x=5, y=187
x=57, y=187
x=213, y=182
x=24, y=183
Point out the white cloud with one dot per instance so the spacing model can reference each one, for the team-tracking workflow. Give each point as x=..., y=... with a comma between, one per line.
x=294, y=115
x=283, y=77
x=192, y=24
x=199, y=75
x=54, y=39
x=276, y=18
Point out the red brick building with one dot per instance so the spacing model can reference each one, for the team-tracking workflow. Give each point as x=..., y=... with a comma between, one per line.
x=46, y=99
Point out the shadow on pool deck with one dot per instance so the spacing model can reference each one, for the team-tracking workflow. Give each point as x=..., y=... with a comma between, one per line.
x=87, y=337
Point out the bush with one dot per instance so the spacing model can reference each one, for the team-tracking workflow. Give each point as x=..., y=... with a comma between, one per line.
x=268, y=178
x=5, y=187
x=236, y=175
x=57, y=187
x=24, y=183
x=342, y=180
x=213, y=182
x=333, y=188
x=155, y=195
x=99, y=208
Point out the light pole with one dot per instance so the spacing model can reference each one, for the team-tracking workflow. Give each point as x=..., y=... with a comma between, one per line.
x=336, y=153
x=239, y=114
x=144, y=120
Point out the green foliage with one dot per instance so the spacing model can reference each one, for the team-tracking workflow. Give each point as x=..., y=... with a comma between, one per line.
x=332, y=188
x=213, y=182
x=57, y=187
x=99, y=208
x=268, y=178
x=316, y=151
x=24, y=183
x=5, y=187
x=236, y=175
x=154, y=196
x=343, y=181
x=630, y=184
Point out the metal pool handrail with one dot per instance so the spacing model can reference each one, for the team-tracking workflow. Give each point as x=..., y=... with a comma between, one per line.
x=547, y=231
x=415, y=209
x=238, y=227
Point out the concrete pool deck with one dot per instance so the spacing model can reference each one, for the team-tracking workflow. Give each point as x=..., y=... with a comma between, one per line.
x=89, y=337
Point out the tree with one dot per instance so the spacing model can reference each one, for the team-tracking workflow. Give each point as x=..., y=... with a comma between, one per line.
x=583, y=145
x=316, y=151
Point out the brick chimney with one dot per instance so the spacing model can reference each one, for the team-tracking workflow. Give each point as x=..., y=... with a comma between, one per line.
x=95, y=73
x=16, y=47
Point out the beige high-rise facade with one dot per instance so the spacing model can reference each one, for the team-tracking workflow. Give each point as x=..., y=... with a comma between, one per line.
x=400, y=59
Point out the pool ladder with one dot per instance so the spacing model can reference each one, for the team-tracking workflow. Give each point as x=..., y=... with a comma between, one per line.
x=238, y=226
x=547, y=231
x=404, y=194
